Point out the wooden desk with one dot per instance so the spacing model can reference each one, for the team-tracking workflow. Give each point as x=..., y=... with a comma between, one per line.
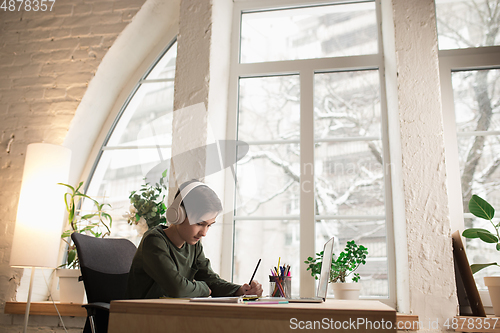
x=180, y=315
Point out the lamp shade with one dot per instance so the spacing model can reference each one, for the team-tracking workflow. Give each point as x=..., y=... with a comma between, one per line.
x=41, y=208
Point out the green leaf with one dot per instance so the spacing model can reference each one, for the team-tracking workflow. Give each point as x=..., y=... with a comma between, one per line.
x=67, y=233
x=69, y=186
x=487, y=237
x=477, y=267
x=71, y=256
x=498, y=247
x=473, y=232
x=79, y=185
x=481, y=208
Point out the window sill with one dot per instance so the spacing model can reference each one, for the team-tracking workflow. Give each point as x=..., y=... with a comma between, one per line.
x=46, y=309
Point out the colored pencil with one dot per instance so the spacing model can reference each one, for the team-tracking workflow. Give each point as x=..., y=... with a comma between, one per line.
x=265, y=302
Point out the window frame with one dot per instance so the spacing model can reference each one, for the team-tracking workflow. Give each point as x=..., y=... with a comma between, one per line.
x=125, y=97
x=487, y=57
x=306, y=69
x=123, y=106
x=451, y=60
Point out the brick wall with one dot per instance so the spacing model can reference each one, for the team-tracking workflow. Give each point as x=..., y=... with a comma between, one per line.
x=47, y=60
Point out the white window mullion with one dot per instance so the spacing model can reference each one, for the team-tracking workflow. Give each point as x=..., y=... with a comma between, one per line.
x=317, y=217
x=227, y=255
x=450, y=138
x=307, y=221
x=286, y=67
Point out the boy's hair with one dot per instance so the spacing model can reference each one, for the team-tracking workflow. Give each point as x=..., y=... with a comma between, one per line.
x=199, y=201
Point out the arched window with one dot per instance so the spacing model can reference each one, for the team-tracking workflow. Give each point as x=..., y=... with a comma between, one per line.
x=139, y=138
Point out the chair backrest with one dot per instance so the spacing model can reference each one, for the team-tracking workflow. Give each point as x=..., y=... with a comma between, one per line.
x=104, y=264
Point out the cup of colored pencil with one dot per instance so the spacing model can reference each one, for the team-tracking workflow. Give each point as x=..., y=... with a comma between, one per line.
x=280, y=282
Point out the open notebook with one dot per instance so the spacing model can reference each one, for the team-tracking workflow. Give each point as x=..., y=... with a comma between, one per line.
x=320, y=292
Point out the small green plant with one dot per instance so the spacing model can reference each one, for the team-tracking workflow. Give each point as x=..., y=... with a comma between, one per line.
x=482, y=209
x=346, y=263
x=97, y=223
x=147, y=206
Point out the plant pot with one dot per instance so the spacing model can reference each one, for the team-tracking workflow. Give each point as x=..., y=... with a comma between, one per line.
x=493, y=284
x=347, y=290
x=70, y=289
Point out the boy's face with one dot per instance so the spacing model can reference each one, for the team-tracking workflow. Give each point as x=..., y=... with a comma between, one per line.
x=192, y=233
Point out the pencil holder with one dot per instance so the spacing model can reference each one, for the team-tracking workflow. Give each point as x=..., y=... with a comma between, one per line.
x=280, y=286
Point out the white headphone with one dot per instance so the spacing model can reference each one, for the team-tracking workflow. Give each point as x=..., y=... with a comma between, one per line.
x=176, y=213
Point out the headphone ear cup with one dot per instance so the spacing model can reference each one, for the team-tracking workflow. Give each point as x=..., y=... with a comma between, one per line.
x=176, y=216
x=182, y=215
x=175, y=212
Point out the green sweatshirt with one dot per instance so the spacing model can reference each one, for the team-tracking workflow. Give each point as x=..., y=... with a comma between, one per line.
x=159, y=268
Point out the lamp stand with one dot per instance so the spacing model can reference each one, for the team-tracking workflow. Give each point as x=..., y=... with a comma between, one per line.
x=28, y=303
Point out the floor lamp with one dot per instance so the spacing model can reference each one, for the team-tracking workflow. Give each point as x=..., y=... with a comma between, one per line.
x=40, y=212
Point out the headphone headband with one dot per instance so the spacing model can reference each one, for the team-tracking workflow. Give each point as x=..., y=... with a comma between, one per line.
x=188, y=189
x=175, y=213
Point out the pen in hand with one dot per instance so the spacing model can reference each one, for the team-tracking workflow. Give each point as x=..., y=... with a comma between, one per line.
x=255, y=271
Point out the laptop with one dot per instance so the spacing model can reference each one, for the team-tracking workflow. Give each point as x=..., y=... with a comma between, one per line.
x=324, y=276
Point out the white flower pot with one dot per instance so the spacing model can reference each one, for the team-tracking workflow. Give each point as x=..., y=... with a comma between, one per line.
x=493, y=284
x=347, y=290
x=70, y=289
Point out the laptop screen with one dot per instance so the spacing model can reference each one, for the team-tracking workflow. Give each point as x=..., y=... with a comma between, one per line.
x=326, y=266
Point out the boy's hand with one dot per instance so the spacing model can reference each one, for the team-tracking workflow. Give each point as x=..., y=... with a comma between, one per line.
x=254, y=289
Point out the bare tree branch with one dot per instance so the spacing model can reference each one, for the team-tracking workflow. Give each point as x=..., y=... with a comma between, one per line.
x=490, y=170
x=269, y=198
x=483, y=123
x=274, y=160
x=380, y=226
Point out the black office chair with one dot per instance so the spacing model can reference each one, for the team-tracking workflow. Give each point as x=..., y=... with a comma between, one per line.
x=104, y=264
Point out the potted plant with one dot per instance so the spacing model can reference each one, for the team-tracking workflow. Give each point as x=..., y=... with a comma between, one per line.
x=96, y=223
x=147, y=208
x=347, y=262
x=482, y=209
